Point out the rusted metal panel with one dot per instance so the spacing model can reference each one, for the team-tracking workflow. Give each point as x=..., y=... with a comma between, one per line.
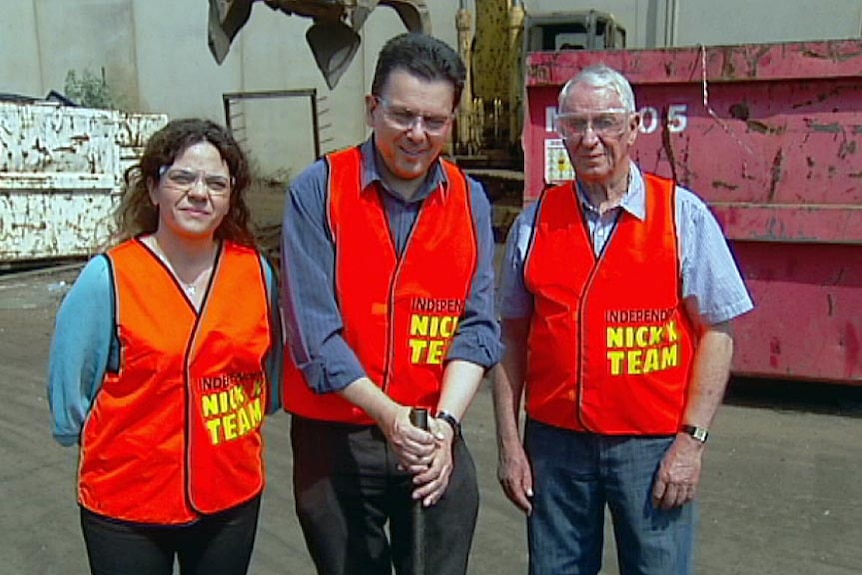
x=808, y=319
x=738, y=63
x=771, y=136
x=133, y=131
x=60, y=175
x=790, y=222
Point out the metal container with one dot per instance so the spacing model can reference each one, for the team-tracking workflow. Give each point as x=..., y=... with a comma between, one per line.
x=770, y=136
x=61, y=173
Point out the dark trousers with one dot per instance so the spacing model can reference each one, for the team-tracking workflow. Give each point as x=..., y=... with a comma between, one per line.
x=218, y=544
x=347, y=488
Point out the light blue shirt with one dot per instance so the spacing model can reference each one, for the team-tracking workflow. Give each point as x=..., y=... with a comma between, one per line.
x=712, y=286
x=85, y=346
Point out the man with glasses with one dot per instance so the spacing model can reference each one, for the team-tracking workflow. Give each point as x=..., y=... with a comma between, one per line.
x=388, y=298
x=622, y=287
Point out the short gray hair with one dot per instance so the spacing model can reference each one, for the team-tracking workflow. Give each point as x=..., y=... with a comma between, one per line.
x=602, y=76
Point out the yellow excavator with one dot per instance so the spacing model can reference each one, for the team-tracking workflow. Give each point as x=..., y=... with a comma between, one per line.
x=334, y=35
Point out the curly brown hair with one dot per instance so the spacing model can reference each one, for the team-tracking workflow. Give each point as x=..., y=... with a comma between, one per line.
x=137, y=215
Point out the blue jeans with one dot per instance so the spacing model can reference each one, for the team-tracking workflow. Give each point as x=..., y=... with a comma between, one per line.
x=574, y=476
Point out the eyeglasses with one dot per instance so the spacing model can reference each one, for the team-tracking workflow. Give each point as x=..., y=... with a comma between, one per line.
x=608, y=123
x=183, y=180
x=405, y=118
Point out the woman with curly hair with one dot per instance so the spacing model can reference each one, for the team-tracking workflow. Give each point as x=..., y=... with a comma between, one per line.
x=165, y=358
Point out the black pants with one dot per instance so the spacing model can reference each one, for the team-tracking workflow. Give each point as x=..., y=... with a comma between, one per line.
x=214, y=545
x=347, y=489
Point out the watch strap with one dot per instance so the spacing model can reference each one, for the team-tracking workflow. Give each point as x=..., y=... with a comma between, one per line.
x=451, y=420
x=699, y=433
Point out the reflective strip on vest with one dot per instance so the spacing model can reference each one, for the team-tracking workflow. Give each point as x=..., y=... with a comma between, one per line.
x=399, y=314
x=610, y=345
x=177, y=431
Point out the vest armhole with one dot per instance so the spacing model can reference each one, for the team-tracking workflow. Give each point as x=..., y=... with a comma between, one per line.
x=114, y=352
x=452, y=169
x=671, y=189
x=540, y=204
x=327, y=198
x=328, y=204
x=271, y=291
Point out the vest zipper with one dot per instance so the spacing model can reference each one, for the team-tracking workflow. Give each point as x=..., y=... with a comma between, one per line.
x=390, y=336
x=597, y=261
x=187, y=379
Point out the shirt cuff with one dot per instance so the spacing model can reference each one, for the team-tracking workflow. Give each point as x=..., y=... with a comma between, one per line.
x=475, y=348
x=339, y=369
x=729, y=312
x=66, y=440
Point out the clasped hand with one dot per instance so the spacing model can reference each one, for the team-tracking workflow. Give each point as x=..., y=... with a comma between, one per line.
x=425, y=454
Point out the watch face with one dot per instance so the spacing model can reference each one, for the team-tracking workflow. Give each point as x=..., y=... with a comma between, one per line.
x=698, y=433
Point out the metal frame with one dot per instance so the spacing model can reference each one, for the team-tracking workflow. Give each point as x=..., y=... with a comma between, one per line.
x=311, y=93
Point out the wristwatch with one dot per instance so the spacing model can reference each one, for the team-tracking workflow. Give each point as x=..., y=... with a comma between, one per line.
x=699, y=433
x=451, y=420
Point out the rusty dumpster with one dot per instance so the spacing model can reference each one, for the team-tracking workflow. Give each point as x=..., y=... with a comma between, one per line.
x=61, y=172
x=771, y=136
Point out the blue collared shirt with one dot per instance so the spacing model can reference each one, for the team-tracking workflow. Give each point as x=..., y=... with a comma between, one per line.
x=712, y=286
x=312, y=317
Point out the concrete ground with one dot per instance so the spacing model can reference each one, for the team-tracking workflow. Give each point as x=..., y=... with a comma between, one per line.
x=781, y=491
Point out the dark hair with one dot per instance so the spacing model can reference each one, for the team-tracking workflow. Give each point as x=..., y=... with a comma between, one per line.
x=136, y=214
x=423, y=56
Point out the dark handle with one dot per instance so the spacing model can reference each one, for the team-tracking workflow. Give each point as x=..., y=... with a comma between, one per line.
x=419, y=418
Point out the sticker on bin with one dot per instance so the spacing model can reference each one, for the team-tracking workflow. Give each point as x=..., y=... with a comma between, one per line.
x=557, y=165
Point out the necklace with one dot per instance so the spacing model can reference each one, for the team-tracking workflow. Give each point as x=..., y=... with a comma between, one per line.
x=189, y=287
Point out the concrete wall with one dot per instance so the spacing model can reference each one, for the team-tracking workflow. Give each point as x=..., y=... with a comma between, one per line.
x=658, y=23
x=155, y=57
x=745, y=21
x=20, y=67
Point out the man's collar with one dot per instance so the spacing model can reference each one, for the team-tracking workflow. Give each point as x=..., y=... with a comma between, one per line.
x=436, y=177
x=634, y=202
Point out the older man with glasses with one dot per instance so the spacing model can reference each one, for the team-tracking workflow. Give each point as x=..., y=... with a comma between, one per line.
x=617, y=299
x=388, y=287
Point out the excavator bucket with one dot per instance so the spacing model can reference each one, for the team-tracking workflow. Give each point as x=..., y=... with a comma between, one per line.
x=225, y=21
x=333, y=44
x=414, y=14
x=334, y=35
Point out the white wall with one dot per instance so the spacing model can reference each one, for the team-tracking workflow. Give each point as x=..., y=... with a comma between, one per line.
x=749, y=21
x=20, y=69
x=88, y=34
x=657, y=23
x=176, y=73
x=156, y=58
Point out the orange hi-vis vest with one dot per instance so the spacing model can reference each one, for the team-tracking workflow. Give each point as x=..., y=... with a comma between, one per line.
x=610, y=345
x=399, y=314
x=176, y=432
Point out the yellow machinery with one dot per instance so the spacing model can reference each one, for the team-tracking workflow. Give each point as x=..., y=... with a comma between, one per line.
x=489, y=121
x=487, y=142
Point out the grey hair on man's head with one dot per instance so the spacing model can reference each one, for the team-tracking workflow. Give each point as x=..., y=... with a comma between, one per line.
x=602, y=76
